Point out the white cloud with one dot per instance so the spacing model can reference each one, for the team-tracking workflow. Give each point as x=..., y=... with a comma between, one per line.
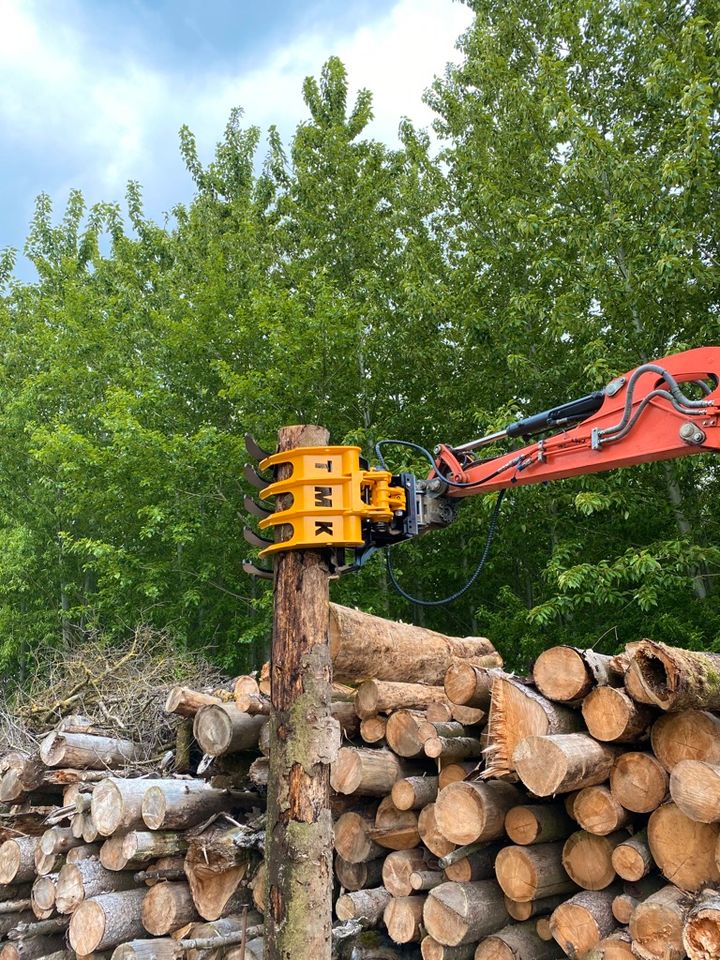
x=100, y=122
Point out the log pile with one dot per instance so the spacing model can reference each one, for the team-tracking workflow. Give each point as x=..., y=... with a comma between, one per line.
x=476, y=814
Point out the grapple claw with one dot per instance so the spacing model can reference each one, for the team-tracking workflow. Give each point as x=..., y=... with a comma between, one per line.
x=254, y=478
x=255, y=571
x=254, y=448
x=255, y=540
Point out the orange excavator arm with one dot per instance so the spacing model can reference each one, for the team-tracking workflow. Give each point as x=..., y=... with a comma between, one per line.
x=658, y=411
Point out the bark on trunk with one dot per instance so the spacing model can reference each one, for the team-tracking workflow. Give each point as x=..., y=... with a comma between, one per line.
x=305, y=740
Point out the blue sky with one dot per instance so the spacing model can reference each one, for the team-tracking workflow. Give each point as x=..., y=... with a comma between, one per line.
x=93, y=92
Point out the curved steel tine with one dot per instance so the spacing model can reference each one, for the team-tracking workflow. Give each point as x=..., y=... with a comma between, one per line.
x=255, y=540
x=255, y=509
x=255, y=571
x=254, y=448
x=254, y=478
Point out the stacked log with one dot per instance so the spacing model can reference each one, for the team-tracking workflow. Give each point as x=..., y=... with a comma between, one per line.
x=476, y=814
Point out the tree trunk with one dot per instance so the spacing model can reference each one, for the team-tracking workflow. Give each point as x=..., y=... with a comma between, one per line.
x=458, y=913
x=657, y=923
x=178, y=804
x=638, y=782
x=695, y=789
x=597, y=811
x=397, y=869
x=538, y=823
x=529, y=873
x=582, y=921
x=701, y=934
x=398, y=651
x=117, y=804
x=675, y=679
x=632, y=859
x=588, y=858
x=516, y=942
x=17, y=860
x=353, y=840
x=559, y=764
x=568, y=674
x=167, y=907
x=467, y=812
x=304, y=742
x=106, y=921
x=469, y=685
x=221, y=728
x=367, y=905
x=382, y=696
x=516, y=712
x=81, y=881
x=358, y=876
x=683, y=849
x=367, y=772
x=186, y=702
x=85, y=751
x=611, y=716
x=413, y=793
x=689, y=735
x=403, y=918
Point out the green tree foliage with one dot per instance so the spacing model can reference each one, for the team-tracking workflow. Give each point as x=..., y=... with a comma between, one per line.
x=564, y=233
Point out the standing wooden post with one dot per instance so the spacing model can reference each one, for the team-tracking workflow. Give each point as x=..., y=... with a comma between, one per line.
x=304, y=739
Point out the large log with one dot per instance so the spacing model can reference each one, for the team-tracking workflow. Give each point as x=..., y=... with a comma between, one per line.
x=367, y=772
x=397, y=651
x=367, y=905
x=117, y=804
x=17, y=859
x=358, y=876
x=81, y=881
x=353, y=840
x=559, y=764
x=467, y=812
x=167, y=907
x=140, y=846
x=395, y=829
x=657, y=923
x=587, y=858
x=597, y=811
x=519, y=941
x=402, y=733
x=695, y=789
x=430, y=833
x=675, y=679
x=106, y=921
x=638, y=781
x=382, y=696
x=413, y=793
x=688, y=735
x=612, y=716
x=459, y=913
x=538, y=823
x=516, y=712
x=582, y=921
x=701, y=933
x=529, y=873
x=567, y=674
x=403, y=918
x=469, y=685
x=221, y=728
x=683, y=849
x=86, y=751
x=632, y=859
x=186, y=702
x=178, y=804
x=398, y=867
